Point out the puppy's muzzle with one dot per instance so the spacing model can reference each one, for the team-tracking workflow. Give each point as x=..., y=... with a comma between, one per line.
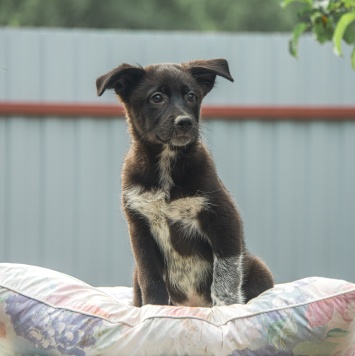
x=183, y=123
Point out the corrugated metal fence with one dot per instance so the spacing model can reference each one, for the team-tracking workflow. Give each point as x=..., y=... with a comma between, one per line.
x=60, y=178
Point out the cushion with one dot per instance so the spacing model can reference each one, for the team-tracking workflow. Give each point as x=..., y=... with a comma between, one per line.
x=47, y=312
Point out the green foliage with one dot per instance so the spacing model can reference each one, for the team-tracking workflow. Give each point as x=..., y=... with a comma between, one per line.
x=340, y=30
x=197, y=15
x=329, y=20
x=297, y=32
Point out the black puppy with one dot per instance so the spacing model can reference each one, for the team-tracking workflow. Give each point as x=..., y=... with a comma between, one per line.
x=186, y=232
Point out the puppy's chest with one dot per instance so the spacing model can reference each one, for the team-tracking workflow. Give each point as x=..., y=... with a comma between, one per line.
x=176, y=229
x=162, y=214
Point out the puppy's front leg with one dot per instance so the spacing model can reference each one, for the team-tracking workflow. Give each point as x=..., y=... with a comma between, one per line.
x=227, y=281
x=149, y=286
x=223, y=227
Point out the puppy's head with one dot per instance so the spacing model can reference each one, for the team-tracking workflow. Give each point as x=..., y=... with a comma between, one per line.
x=163, y=101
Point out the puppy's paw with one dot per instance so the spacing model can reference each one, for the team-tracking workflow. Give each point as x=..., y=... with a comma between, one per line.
x=226, y=288
x=216, y=302
x=226, y=297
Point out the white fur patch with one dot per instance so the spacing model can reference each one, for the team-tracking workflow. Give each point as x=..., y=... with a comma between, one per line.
x=184, y=272
x=227, y=282
x=167, y=159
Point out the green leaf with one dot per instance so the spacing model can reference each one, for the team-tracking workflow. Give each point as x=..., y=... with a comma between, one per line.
x=334, y=6
x=349, y=3
x=288, y=2
x=323, y=28
x=353, y=59
x=297, y=32
x=335, y=333
x=349, y=35
x=340, y=29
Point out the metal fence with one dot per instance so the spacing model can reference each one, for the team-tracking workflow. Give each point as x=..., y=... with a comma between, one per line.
x=60, y=177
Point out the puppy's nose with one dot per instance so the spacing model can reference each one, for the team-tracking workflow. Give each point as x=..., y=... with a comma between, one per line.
x=183, y=123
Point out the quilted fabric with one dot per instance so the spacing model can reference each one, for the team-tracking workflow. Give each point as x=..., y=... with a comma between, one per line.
x=49, y=313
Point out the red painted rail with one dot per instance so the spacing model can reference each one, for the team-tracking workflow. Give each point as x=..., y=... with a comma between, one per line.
x=39, y=109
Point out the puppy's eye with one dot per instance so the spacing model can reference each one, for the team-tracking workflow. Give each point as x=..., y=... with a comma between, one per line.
x=191, y=96
x=156, y=98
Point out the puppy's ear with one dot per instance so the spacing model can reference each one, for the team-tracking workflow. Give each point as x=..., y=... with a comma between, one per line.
x=205, y=71
x=122, y=79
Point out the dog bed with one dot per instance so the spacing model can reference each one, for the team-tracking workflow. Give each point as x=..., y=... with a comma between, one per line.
x=43, y=312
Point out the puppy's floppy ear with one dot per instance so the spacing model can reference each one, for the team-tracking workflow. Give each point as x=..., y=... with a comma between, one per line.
x=122, y=79
x=205, y=71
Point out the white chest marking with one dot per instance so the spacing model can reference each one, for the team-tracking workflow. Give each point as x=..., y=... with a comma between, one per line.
x=185, y=272
x=153, y=206
x=167, y=159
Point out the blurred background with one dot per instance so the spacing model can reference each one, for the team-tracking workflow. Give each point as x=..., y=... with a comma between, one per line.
x=293, y=178
x=198, y=15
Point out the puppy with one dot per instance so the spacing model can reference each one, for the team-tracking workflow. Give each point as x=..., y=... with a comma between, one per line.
x=185, y=230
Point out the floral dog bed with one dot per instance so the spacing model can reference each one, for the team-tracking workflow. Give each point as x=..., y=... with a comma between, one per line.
x=43, y=312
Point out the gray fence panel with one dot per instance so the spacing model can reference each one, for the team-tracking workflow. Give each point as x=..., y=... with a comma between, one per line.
x=60, y=178
x=292, y=182
x=44, y=64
